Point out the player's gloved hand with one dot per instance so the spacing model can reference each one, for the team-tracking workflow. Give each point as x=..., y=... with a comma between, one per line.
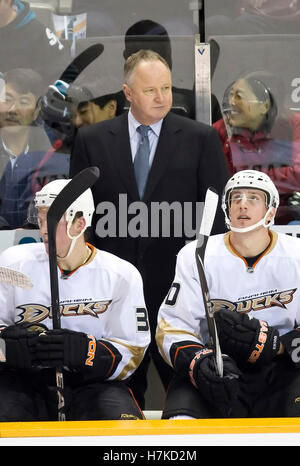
x=220, y=391
x=60, y=87
x=77, y=351
x=20, y=344
x=245, y=339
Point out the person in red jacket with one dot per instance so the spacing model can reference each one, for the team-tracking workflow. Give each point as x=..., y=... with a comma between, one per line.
x=257, y=133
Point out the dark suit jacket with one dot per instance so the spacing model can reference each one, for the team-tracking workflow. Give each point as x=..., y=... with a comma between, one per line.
x=188, y=160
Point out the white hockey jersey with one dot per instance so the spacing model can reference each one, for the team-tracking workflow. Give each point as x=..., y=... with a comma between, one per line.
x=271, y=291
x=103, y=297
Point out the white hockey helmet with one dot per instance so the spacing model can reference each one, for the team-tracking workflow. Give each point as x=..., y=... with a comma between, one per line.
x=84, y=203
x=256, y=180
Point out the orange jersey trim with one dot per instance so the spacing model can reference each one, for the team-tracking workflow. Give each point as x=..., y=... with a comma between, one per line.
x=273, y=239
x=92, y=255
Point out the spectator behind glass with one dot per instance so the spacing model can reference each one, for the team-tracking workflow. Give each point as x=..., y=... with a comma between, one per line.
x=259, y=133
x=269, y=17
x=27, y=158
x=18, y=114
x=90, y=106
x=27, y=43
x=242, y=17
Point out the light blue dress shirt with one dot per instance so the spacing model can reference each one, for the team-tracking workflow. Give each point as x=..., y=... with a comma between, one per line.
x=134, y=136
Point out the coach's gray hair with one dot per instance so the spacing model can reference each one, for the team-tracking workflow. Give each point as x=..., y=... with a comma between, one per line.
x=142, y=55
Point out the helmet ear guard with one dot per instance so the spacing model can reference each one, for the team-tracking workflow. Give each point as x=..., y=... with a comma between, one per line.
x=247, y=179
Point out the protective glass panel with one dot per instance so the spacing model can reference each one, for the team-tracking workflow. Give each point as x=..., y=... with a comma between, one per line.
x=243, y=17
x=45, y=96
x=256, y=82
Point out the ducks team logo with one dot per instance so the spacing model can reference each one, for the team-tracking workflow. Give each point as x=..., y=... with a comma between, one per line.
x=37, y=312
x=256, y=302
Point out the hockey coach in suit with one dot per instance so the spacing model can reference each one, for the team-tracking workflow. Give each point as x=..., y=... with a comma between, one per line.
x=184, y=158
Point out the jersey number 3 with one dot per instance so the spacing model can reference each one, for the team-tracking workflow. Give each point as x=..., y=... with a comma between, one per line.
x=142, y=319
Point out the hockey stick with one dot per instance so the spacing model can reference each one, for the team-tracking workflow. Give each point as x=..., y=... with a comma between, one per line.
x=54, y=106
x=80, y=62
x=209, y=211
x=15, y=278
x=80, y=183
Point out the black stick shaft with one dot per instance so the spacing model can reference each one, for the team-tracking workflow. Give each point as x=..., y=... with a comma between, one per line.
x=209, y=212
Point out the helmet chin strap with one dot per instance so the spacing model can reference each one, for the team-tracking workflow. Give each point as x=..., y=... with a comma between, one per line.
x=263, y=222
x=73, y=238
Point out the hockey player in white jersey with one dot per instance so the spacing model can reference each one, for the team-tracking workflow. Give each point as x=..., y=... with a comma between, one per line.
x=253, y=275
x=104, y=326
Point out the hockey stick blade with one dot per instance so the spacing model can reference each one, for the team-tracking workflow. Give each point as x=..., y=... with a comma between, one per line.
x=77, y=186
x=15, y=278
x=80, y=62
x=208, y=216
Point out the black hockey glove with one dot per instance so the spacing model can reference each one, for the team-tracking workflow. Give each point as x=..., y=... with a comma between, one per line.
x=245, y=339
x=20, y=344
x=77, y=351
x=220, y=391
